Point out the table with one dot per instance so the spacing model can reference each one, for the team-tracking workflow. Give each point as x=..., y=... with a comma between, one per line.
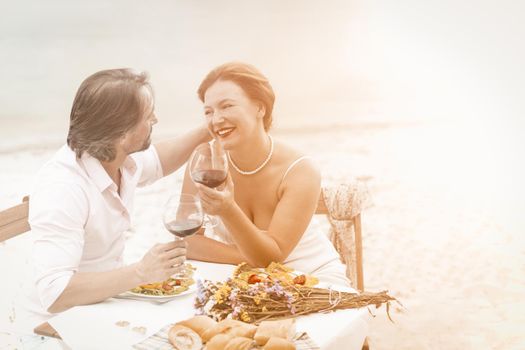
x=93, y=326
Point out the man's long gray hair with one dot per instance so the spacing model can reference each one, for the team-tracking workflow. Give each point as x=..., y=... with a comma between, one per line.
x=108, y=104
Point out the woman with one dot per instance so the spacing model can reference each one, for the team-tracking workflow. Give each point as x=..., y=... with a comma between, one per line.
x=272, y=190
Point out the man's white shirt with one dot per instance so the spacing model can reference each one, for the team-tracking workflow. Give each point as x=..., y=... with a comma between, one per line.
x=78, y=219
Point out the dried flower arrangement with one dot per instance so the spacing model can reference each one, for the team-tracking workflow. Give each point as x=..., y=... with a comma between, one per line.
x=255, y=295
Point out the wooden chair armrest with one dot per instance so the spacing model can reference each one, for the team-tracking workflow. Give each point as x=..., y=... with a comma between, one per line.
x=47, y=330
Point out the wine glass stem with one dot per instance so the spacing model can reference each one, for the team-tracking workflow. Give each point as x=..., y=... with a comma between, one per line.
x=180, y=274
x=210, y=221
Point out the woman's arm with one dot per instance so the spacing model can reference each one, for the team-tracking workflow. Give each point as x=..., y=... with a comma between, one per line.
x=298, y=200
x=204, y=248
x=207, y=249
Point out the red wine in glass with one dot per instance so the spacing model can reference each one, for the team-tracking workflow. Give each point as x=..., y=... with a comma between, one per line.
x=183, y=217
x=209, y=167
x=183, y=228
x=209, y=177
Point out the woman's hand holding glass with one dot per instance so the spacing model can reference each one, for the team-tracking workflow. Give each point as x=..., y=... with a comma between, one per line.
x=216, y=201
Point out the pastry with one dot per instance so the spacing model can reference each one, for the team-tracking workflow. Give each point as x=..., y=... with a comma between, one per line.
x=240, y=343
x=282, y=329
x=244, y=330
x=223, y=326
x=199, y=324
x=184, y=338
x=218, y=342
x=275, y=343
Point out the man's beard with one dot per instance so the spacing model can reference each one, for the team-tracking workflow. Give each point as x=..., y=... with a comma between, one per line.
x=146, y=144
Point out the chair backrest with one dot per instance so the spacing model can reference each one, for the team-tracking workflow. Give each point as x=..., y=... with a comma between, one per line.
x=357, y=268
x=13, y=221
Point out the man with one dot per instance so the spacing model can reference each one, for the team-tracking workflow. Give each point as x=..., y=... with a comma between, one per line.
x=83, y=198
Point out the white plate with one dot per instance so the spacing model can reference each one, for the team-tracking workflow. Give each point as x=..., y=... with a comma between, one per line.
x=158, y=298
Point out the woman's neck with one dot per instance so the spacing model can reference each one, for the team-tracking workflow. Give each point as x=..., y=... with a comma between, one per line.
x=251, y=155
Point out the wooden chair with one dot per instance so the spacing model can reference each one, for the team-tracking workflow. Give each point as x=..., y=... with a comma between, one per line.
x=13, y=221
x=356, y=271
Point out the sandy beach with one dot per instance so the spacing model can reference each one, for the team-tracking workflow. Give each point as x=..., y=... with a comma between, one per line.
x=444, y=234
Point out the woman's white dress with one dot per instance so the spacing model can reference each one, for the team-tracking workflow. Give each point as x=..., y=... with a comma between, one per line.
x=314, y=254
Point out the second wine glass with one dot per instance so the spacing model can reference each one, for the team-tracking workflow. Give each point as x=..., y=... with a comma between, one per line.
x=183, y=217
x=209, y=166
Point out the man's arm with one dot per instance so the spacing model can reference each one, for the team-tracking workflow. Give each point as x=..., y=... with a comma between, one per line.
x=174, y=153
x=58, y=212
x=93, y=287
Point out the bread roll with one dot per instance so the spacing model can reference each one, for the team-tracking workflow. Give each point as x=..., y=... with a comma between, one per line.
x=281, y=329
x=245, y=330
x=218, y=342
x=240, y=343
x=183, y=338
x=199, y=324
x=223, y=326
x=275, y=343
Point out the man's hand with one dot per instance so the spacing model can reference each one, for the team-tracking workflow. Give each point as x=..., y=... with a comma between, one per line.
x=162, y=261
x=92, y=287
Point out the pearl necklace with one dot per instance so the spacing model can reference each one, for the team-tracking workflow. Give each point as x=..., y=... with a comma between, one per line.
x=256, y=170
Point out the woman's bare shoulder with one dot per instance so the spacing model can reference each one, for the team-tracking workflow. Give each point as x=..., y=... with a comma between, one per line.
x=297, y=168
x=286, y=154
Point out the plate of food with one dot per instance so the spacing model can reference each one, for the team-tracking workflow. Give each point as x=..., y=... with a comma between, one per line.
x=165, y=290
x=274, y=272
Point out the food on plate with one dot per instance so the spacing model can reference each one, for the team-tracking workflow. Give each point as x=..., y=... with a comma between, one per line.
x=184, y=338
x=122, y=323
x=284, y=329
x=199, y=324
x=171, y=286
x=275, y=343
x=301, y=279
x=273, y=272
x=240, y=343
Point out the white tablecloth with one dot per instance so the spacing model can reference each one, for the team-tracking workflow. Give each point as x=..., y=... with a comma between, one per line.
x=93, y=326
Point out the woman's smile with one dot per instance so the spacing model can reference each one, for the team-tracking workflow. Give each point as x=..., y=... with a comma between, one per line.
x=224, y=132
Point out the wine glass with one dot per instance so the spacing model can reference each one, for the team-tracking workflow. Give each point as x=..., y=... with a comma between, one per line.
x=183, y=217
x=209, y=166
